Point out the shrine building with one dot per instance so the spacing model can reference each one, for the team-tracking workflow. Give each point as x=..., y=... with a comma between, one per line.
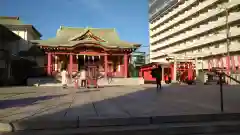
x=75, y=48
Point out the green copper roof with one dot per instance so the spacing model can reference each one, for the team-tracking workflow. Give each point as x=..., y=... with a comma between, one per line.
x=65, y=37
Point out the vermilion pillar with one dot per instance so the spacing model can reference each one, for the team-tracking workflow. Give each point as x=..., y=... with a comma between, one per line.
x=125, y=65
x=49, y=57
x=222, y=63
x=190, y=72
x=70, y=64
x=172, y=70
x=228, y=64
x=106, y=65
x=140, y=73
x=233, y=64
x=239, y=63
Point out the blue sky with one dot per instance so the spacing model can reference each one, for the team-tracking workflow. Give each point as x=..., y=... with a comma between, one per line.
x=129, y=17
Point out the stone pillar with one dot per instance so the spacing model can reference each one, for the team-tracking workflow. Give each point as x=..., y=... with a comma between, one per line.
x=49, y=57
x=70, y=65
x=125, y=65
x=106, y=65
x=174, y=70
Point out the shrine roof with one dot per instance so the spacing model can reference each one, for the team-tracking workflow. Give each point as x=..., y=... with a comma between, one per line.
x=71, y=36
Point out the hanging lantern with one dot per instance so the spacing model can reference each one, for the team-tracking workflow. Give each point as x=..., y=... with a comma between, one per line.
x=93, y=58
x=77, y=56
x=99, y=57
x=84, y=57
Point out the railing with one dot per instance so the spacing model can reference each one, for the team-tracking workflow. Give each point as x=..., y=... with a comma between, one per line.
x=221, y=75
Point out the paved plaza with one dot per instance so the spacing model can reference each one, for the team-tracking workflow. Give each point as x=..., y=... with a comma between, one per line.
x=30, y=103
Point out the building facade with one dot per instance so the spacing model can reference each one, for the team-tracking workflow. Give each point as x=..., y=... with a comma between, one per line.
x=208, y=30
x=27, y=32
x=138, y=58
x=14, y=41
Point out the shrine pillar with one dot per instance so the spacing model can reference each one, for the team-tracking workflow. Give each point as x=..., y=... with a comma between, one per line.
x=238, y=63
x=49, y=63
x=228, y=65
x=196, y=67
x=55, y=63
x=70, y=64
x=174, y=77
x=106, y=65
x=125, y=65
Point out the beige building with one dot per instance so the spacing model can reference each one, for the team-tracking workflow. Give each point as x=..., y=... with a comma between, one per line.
x=197, y=29
x=27, y=32
x=14, y=41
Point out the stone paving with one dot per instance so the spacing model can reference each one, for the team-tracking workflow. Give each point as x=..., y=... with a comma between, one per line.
x=30, y=103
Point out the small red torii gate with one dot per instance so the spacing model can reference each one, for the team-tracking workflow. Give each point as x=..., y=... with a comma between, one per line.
x=185, y=68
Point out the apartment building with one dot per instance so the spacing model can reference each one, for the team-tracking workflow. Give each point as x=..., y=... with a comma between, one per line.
x=197, y=29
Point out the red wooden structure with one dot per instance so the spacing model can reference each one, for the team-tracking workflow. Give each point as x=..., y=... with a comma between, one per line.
x=145, y=71
x=185, y=71
x=78, y=47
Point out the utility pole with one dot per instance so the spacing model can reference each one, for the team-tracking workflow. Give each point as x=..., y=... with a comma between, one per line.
x=227, y=37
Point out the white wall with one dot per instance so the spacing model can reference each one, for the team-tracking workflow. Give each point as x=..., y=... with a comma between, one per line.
x=26, y=36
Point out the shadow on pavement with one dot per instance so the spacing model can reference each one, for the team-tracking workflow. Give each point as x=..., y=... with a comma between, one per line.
x=24, y=101
x=127, y=109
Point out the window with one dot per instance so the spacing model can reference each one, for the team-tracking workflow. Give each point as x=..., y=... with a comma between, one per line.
x=216, y=46
x=199, y=50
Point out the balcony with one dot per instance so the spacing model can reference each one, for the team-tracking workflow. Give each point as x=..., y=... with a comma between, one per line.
x=206, y=40
x=202, y=17
x=172, y=13
x=184, y=16
x=203, y=28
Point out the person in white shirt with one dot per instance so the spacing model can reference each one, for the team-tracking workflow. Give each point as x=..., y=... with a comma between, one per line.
x=83, y=78
x=64, y=78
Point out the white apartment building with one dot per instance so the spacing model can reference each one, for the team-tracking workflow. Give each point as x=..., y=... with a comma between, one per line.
x=195, y=28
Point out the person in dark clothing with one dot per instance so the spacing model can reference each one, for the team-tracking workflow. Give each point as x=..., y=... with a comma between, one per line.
x=157, y=73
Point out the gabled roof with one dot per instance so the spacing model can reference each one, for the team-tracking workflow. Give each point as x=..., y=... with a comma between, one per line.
x=15, y=21
x=107, y=34
x=67, y=37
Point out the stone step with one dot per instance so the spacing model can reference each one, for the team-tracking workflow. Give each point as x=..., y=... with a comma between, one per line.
x=204, y=124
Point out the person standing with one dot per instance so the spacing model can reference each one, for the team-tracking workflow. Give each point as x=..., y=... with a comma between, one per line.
x=157, y=74
x=64, y=78
x=83, y=78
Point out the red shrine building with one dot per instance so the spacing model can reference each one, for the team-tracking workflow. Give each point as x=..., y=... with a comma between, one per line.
x=77, y=48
